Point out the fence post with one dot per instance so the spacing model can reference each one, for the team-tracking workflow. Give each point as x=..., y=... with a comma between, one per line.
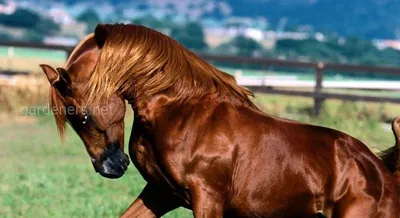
x=318, y=100
x=263, y=74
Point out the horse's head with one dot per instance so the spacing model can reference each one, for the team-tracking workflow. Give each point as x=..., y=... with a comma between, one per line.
x=100, y=127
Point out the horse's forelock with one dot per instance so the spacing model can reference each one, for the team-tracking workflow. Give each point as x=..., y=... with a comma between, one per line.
x=57, y=105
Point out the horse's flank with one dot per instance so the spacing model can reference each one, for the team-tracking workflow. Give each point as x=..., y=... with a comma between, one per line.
x=136, y=56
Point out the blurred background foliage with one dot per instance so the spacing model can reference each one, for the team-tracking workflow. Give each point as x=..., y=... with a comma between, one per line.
x=346, y=49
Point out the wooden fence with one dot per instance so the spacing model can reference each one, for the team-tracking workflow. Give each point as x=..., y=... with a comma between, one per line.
x=317, y=94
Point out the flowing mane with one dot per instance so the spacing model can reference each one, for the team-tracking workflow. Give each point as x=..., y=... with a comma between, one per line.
x=134, y=56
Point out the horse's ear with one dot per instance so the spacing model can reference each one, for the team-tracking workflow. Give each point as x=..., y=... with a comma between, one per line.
x=58, y=78
x=51, y=74
x=101, y=34
x=64, y=76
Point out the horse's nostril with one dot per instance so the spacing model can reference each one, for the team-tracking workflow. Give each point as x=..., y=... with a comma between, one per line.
x=112, y=169
x=113, y=163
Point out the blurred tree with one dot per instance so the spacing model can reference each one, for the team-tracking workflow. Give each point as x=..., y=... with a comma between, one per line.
x=21, y=18
x=154, y=23
x=311, y=48
x=242, y=46
x=91, y=18
x=390, y=57
x=190, y=35
x=35, y=25
x=5, y=37
x=47, y=26
x=148, y=21
x=354, y=51
x=246, y=46
x=355, y=47
x=32, y=36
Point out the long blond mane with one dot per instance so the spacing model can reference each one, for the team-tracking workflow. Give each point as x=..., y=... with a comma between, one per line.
x=143, y=61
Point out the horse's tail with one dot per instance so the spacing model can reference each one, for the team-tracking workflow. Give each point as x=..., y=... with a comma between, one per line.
x=391, y=156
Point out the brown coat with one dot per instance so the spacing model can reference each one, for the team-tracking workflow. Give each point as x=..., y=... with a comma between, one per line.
x=200, y=143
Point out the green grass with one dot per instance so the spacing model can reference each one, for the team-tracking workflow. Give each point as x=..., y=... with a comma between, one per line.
x=41, y=177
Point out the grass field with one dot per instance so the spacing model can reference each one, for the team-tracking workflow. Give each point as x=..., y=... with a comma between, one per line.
x=41, y=177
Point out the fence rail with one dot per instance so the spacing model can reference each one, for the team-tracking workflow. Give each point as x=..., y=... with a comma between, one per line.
x=317, y=94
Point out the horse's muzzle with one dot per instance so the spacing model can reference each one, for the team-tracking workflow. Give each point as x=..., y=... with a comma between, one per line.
x=113, y=163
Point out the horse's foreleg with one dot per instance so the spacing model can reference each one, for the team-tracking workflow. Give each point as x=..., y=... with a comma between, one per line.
x=206, y=203
x=152, y=202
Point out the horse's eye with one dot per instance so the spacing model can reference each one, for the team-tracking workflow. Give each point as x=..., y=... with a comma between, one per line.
x=85, y=119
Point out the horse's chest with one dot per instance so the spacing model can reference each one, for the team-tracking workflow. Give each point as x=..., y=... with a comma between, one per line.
x=144, y=160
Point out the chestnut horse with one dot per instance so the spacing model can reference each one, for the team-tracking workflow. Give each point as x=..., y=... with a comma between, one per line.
x=200, y=142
